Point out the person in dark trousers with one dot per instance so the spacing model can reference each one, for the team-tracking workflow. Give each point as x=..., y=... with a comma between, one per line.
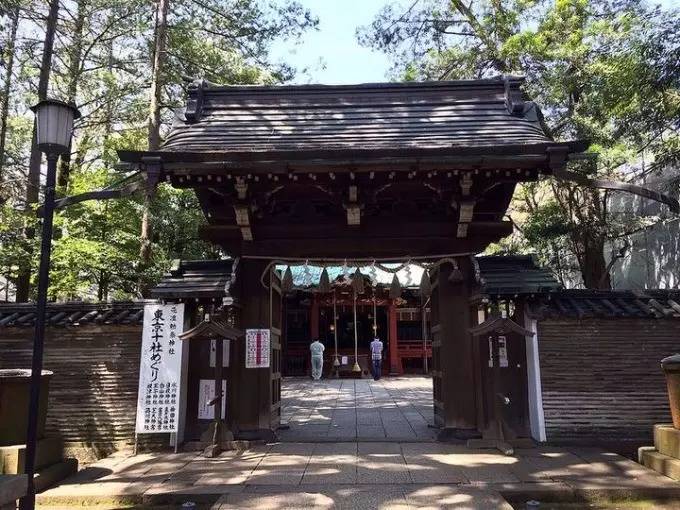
x=376, y=357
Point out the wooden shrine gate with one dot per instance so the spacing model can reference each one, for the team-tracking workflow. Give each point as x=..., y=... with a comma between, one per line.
x=374, y=172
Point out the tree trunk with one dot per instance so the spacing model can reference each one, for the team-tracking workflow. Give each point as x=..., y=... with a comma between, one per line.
x=74, y=65
x=7, y=87
x=33, y=184
x=154, y=124
x=160, y=43
x=592, y=263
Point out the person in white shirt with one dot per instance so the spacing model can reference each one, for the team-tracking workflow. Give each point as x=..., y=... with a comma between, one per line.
x=317, y=348
x=376, y=357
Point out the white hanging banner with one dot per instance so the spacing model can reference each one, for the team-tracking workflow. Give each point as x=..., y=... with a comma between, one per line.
x=160, y=369
x=206, y=392
x=258, y=346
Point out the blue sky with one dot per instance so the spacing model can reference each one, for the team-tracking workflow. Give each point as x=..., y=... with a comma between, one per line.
x=332, y=54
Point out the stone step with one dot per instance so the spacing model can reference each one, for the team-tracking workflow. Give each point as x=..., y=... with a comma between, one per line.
x=50, y=475
x=663, y=464
x=49, y=451
x=667, y=440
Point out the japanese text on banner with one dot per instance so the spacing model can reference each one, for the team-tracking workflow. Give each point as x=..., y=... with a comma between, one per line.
x=159, y=369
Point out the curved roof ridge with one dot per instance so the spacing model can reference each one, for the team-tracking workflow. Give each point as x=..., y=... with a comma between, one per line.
x=209, y=86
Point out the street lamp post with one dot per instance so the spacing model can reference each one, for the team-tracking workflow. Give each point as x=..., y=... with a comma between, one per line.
x=54, y=121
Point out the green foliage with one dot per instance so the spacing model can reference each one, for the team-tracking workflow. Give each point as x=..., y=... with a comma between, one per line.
x=96, y=244
x=606, y=71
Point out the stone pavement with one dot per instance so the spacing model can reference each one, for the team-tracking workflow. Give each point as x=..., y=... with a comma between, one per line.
x=357, y=475
x=395, y=409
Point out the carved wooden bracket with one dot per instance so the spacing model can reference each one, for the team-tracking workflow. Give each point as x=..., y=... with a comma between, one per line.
x=242, y=212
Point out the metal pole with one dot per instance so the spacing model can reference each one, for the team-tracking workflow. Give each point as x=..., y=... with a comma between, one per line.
x=28, y=502
x=375, y=318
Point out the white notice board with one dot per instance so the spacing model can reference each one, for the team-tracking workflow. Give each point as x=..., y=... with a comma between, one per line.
x=160, y=369
x=258, y=347
x=206, y=392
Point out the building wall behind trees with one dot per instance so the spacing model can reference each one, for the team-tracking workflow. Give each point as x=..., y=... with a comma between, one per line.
x=652, y=251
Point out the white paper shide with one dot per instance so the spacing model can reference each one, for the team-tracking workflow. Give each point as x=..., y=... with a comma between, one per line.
x=160, y=368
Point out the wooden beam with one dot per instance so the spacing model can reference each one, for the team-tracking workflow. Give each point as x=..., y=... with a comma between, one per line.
x=465, y=184
x=359, y=243
x=465, y=212
x=243, y=221
x=370, y=228
x=353, y=208
x=353, y=214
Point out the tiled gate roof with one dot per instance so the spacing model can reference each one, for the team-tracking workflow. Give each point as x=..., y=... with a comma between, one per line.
x=582, y=303
x=73, y=314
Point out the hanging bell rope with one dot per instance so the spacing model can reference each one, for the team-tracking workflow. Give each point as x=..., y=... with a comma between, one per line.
x=358, y=282
x=373, y=274
x=425, y=284
x=287, y=282
x=324, y=282
x=395, y=287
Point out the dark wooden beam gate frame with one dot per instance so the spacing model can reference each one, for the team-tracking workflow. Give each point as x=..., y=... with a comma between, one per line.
x=390, y=171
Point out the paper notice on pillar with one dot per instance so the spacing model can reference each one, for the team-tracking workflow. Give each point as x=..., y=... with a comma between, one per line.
x=258, y=346
x=502, y=351
x=160, y=367
x=206, y=392
x=345, y=360
x=225, y=352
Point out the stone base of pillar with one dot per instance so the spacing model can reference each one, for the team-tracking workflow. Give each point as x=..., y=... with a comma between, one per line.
x=452, y=434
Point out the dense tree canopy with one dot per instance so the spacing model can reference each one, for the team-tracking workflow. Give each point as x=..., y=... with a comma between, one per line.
x=103, y=59
x=607, y=71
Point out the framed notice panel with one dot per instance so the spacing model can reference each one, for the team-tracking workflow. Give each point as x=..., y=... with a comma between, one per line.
x=206, y=392
x=258, y=348
x=160, y=368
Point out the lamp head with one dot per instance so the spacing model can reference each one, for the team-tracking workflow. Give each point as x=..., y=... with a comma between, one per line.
x=54, y=121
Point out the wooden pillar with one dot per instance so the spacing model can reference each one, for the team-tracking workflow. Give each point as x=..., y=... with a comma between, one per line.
x=395, y=366
x=249, y=390
x=458, y=384
x=314, y=319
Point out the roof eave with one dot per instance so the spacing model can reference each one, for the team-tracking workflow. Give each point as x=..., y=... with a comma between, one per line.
x=357, y=156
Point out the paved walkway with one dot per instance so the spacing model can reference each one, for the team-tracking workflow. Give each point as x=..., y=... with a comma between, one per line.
x=359, y=475
x=358, y=444
x=395, y=409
